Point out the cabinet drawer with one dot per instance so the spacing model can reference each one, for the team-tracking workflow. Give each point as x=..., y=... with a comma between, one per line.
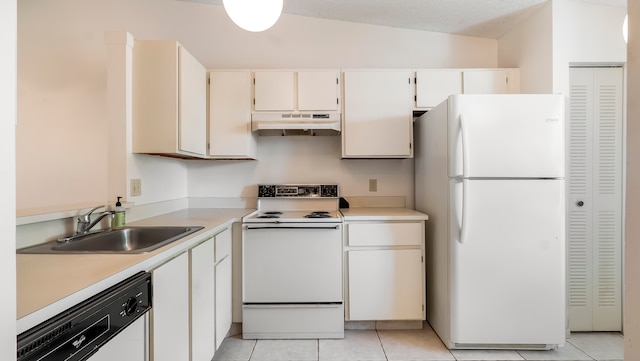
x=385, y=234
x=223, y=244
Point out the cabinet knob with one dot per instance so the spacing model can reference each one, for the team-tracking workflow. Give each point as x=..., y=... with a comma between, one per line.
x=579, y=203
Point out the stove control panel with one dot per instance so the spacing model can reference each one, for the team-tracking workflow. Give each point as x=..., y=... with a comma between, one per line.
x=290, y=191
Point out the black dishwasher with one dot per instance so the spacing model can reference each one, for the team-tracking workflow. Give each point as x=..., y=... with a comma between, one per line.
x=79, y=332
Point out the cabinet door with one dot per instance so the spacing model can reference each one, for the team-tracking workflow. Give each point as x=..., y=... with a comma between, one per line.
x=230, y=133
x=224, y=292
x=318, y=90
x=273, y=90
x=433, y=86
x=378, y=114
x=386, y=284
x=203, y=301
x=223, y=244
x=192, y=104
x=170, y=311
x=485, y=81
x=223, y=299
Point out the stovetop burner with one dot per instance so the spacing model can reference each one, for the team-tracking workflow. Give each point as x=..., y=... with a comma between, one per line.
x=290, y=203
x=270, y=214
x=318, y=214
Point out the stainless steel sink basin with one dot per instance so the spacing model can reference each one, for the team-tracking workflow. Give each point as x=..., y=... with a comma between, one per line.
x=128, y=239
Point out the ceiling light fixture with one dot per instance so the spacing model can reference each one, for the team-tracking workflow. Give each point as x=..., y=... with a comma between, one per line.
x=625, y=29
x=253, y=15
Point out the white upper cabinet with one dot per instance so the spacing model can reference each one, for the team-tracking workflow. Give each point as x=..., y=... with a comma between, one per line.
x=169, y=100
x=230, y=135
x=318, y=90
x=433, y=86
x=490, y=81
x=192, y=104
x=292, y=91
x=378, y=115
x=273, y=90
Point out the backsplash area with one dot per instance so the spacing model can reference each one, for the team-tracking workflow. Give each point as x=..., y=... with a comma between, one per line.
x=301, y=160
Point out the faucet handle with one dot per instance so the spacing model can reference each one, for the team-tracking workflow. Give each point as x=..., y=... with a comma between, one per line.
x=84, y=221
x=87, y=216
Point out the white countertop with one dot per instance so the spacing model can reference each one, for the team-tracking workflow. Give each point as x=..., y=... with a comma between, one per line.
x=382, y=214
x=48, y=284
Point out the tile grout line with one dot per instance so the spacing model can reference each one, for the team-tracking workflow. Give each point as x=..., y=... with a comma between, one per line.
x=581, y=350
x=382, y=345
x=255, y=343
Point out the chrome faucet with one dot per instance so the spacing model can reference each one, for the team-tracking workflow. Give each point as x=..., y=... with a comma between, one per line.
x=85, y=223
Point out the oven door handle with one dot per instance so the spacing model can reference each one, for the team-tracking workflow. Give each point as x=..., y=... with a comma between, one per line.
x=290, y=227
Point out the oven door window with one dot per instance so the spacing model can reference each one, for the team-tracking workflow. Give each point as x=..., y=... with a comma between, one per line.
x=292, y=265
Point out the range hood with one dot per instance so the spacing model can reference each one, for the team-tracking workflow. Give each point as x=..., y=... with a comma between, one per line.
x=274, y=123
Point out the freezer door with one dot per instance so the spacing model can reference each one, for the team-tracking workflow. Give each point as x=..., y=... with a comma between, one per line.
x=507, y=266
x=506, y=136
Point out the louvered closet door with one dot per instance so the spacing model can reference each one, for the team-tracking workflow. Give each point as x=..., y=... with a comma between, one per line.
x=595, y=199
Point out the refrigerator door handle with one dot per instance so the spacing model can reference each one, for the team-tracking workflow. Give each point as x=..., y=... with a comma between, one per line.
x=465, y=147
x=465, y=208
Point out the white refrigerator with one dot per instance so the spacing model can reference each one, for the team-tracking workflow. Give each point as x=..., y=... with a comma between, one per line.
x=490, y=174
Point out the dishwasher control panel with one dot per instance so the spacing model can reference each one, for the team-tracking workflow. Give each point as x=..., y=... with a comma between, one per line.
x=80, y=331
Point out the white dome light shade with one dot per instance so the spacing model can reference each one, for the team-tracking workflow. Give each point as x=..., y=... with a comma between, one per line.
x=625, y=29
x=253, y=15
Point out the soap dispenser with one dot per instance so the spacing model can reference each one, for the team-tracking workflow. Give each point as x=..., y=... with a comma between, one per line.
x=118, y=216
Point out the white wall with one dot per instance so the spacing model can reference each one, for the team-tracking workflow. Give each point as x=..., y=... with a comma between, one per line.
x=632, y=231
x=562, y=32
x=529, y=47
x=301, y=159
x=8, y=97
x=595, y=33
x=62, y=137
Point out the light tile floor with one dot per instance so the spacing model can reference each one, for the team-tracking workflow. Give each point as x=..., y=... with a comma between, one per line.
x=410, y=345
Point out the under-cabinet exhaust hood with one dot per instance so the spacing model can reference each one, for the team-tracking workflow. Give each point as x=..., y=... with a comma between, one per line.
x=273, y=123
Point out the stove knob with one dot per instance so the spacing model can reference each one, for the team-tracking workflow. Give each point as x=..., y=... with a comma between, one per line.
x=131, y=306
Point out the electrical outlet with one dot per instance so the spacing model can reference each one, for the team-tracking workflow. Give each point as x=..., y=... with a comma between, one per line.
x=373, y=185
x=136, y=187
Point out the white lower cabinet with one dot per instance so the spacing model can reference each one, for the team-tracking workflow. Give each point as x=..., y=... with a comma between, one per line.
x=191, y=313
x=170, y=310
x=223, y=294
x=203, y=330
x=385, y=284
x=386, y=274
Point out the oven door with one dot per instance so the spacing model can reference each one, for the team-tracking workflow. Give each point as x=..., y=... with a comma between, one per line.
x=292, y=263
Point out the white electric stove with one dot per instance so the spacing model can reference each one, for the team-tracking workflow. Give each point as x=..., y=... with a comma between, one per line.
x=292, y=264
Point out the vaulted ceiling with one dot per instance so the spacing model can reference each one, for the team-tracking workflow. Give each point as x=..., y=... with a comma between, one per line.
x=479, y=18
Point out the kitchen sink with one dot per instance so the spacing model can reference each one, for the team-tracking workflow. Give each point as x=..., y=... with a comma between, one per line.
x=128, y=239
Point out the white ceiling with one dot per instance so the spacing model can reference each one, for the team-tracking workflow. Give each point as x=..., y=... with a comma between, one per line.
x=479, y=18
